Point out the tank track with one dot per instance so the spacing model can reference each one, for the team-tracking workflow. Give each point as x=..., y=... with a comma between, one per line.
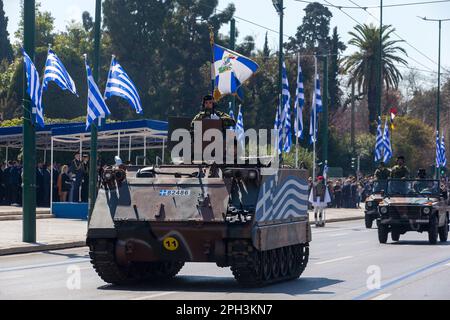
x=103, y=259
x=253, y=268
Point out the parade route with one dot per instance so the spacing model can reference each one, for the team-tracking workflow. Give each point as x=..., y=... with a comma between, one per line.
x=345, y=260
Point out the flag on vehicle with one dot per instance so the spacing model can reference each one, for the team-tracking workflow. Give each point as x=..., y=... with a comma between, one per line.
x=120, y=84
x=96, y=106
x=56, y=72
x=286, y=98
x=34, y=89
x=379, y=145
x=230, y=71
x=387, y=144
x=299, y=103
x=317, y=108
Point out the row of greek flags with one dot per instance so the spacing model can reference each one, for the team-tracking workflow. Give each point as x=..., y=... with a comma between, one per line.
x=118, y=84
x=283, y=119
x=383, y=147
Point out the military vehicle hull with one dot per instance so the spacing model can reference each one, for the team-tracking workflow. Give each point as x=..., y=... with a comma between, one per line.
x=146, y=228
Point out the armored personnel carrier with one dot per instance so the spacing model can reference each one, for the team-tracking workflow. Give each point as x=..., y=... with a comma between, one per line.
x=414, y=205
x=146, y=224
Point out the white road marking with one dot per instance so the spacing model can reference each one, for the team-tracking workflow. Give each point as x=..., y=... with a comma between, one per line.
x=11, y=277
x=382, y=296
x=45, y=265
x=334, y=260
x=153, y=296
x=337, y=234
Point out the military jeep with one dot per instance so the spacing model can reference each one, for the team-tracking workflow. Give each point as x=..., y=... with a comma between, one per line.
x=413, y=205
x=372, y=202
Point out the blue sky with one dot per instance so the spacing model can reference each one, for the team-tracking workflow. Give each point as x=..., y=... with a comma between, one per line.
x=422, y=35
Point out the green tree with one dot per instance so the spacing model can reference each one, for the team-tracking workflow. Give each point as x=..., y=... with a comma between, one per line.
x=363, y=65
x=266, y=49
x=6, y=51
x=335, y=93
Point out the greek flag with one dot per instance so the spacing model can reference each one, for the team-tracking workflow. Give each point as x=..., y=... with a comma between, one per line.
x=317, y=101
x=286, y=97
x=299, y=103
x=120, y=84
x=56, y=72
x=438, y=151
x=278, y=129
x=230, y=71
x=443, y=156
x=96, y=107
x=231, y=111
x=240, y=128
x=387, y=144
x=325, y=171
x=34, y=89
x=379, y=145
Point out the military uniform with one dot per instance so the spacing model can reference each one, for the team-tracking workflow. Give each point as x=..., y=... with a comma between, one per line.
x=215, y=114
x=399, y=172
x=382, y=173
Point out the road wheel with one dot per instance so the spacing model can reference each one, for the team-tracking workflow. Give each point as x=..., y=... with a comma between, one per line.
x=383, y=232
x=443, y=231
x=369, y=222
x=433, y=227
x=266, y=265
x=395, y=235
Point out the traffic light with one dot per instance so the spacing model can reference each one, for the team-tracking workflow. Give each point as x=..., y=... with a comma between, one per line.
x=353, y=163
x=442, y=171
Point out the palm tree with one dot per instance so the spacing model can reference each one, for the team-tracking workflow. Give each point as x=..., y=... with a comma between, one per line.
x=363, y=65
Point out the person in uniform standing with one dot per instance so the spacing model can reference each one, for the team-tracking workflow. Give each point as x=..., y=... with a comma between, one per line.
x=319, y=198
x=382, y=173
x=209, y=111
x=400, y=170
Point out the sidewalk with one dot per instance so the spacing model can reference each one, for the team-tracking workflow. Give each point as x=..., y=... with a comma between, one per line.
x=54, y=234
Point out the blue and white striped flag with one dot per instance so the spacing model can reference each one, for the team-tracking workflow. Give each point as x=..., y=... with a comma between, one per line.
x=120, y=84
x=443, y=155
x=379, y=145
x=299, y=103
x=317, y=102
x=286, y=97
x=438, y=151
x=240, y=128
x=387, y=144
x=231, y=111
x=278, y=129
x=230, y=70
x=34, y=89
x=96, y=107
x=56, y=72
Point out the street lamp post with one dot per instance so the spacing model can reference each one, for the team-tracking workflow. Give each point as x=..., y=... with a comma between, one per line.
x=438, y=99
x=278, y=4
x=380, y=62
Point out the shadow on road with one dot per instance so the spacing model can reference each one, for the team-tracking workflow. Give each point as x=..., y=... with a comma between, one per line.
x=419, y=243
x=305, y=285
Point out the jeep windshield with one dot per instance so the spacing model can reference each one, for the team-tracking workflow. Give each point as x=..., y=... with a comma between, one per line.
x=413, y=188
x=379, y=186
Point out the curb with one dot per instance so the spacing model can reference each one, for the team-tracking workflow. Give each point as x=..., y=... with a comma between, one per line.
x=42, y=247
x=79, y=244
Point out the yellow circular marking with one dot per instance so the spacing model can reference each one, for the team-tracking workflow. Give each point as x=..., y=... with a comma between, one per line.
x=170, y=243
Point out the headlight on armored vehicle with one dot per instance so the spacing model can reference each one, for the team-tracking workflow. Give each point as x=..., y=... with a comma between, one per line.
x=369, y=204
x=426, y=210
x=384, y=210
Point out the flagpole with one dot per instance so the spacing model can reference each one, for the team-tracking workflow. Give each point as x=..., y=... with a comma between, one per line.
x=314, y=118
x=212, y=72
x=297, y=121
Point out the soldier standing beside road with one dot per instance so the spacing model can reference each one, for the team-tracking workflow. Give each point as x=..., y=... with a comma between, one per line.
x=400, y=170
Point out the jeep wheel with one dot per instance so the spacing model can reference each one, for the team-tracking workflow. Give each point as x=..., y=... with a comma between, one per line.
x=369, y=222
x=383, y=232
x=433, y=229
x=395, y=235
x=443, y=231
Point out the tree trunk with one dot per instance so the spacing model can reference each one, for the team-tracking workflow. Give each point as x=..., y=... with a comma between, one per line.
x=372, y=104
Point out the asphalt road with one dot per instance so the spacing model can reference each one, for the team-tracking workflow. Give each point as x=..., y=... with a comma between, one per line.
x=346, y=262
